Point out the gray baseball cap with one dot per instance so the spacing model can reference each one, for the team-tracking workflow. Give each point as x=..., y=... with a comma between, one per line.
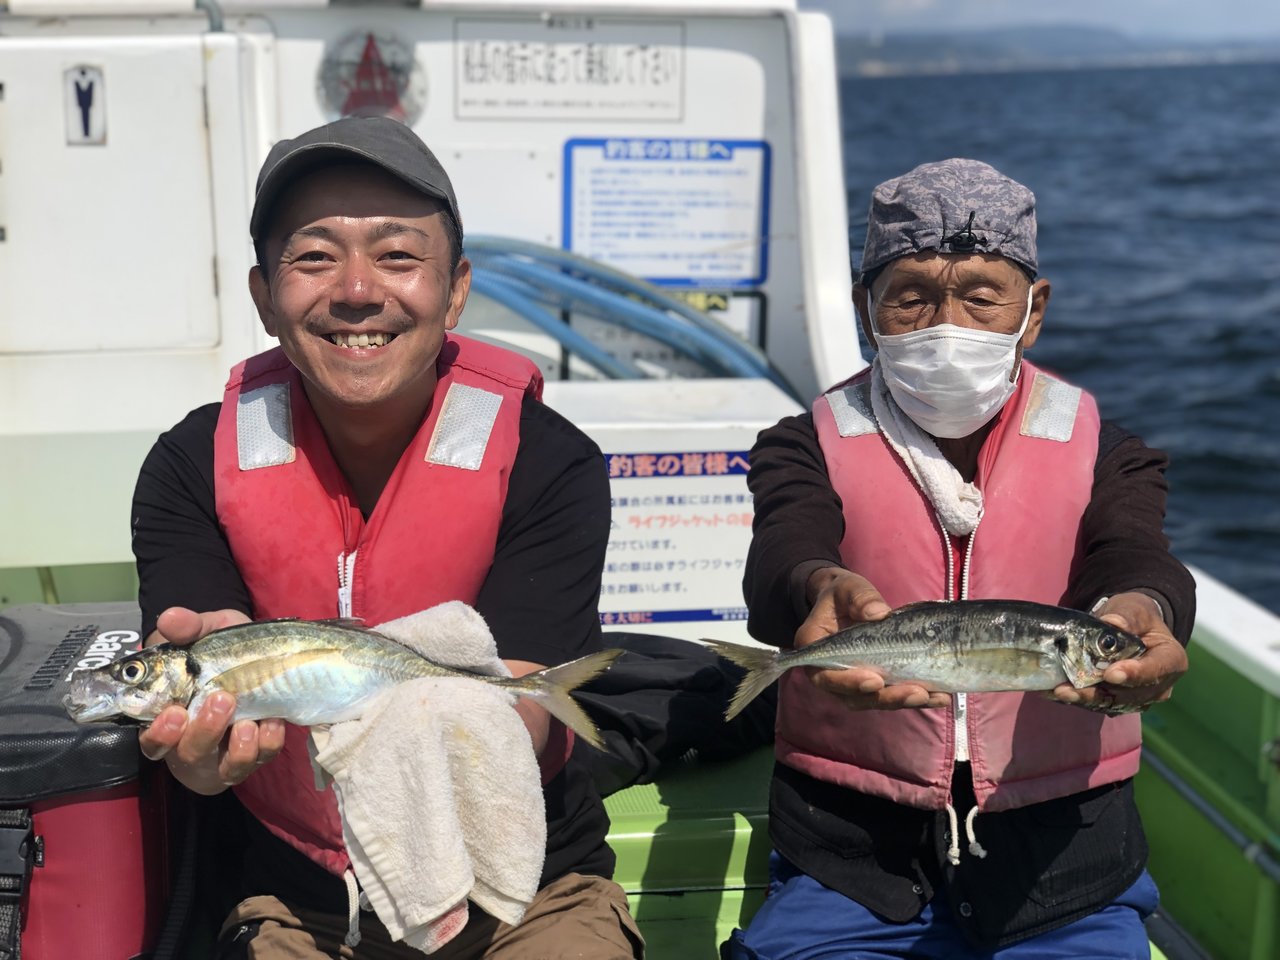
x=952, y=206
x=382, y=141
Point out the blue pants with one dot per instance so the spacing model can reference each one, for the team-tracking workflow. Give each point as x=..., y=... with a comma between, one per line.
x=803, y=920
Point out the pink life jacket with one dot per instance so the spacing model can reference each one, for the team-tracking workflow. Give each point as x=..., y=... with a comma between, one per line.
x=304, y=549
x=1035, y=471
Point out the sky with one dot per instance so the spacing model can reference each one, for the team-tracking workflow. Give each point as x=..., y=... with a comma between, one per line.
x=1181, y=19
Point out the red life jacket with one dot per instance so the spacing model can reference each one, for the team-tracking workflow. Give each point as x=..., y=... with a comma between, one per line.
x=304, y=549
x=1035, y=471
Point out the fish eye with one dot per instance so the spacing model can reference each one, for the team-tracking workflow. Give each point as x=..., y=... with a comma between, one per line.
x=131, y=671
x=1108, y=644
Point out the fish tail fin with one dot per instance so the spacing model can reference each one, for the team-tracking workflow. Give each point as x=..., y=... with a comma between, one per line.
x=762, y=669
x=550, y=687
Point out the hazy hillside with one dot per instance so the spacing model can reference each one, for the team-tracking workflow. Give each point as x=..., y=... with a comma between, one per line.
x=1022, y=48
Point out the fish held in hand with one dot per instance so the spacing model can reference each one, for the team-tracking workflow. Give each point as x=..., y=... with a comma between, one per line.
x=307, y=672
x=960, y=646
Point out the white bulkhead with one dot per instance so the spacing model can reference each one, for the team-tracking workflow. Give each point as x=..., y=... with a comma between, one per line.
x=695, y=145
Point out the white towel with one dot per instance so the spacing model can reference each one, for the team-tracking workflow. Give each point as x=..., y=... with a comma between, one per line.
x=439, y=788
x=959, y=503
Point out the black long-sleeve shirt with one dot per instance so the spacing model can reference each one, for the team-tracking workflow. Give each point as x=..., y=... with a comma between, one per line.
x=1048, y=864
x=539, y=599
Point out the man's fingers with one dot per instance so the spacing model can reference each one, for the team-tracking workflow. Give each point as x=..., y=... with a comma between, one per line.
x=872, y=606
x=1164, y=661
x=845, y=599
x=241, y=756
x=270, y=739
x=1135, y=612
x=1116, y=620
x=206, y=751
x=861, y=689
x=857, y=599
x=908, y=696
x=218, y=619
x=821, y=622
x=1113, y=700
x=850, y=682
x=156, y=740
x=182, y=627
x=911, y=696
x=206, y=729
x=179, y=625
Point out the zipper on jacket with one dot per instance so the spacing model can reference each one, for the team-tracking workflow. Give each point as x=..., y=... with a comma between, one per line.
x=346, y=572
x=960, y=732
x=962, y=699
x=352, y=530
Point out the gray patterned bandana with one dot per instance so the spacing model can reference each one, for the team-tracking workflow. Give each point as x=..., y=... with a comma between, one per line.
x=953, y=206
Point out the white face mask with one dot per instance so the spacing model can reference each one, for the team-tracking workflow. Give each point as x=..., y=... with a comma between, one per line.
x=950, y=380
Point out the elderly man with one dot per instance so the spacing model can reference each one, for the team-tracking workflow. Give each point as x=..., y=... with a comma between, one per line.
x=912, y=823
x=376, y=499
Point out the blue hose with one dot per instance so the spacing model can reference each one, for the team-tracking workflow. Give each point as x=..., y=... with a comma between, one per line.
x=501, y=290
x=580, y=296
x=609, y=277
x=566, y=280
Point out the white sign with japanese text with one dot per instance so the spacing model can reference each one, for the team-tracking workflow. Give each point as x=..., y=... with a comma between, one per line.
x=676, y=211
x=567, y=67
x=681, y=526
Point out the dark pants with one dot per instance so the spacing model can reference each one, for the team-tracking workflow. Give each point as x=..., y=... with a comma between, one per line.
x=803, y=920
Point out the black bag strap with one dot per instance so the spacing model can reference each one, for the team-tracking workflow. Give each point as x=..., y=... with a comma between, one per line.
x=20, y=850
x=172, y=942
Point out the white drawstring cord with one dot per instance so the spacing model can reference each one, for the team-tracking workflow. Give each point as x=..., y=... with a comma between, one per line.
x=974, y=846
x=354, y=896
x=953, y=851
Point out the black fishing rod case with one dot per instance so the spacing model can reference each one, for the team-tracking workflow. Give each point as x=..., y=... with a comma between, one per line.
x=85, y=829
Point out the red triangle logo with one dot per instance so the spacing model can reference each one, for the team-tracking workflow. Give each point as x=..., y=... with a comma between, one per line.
x=373, y=91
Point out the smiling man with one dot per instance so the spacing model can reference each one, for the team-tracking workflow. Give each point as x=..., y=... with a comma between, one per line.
x=373, y=465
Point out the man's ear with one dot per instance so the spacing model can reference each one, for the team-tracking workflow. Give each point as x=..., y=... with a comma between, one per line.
x=861, y=304
x=260, y=291
x=1040, y=291
x=458, y=291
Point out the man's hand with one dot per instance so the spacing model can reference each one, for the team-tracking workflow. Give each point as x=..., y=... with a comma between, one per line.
x=1131, y=686
x=206, y=753
x=840, y=599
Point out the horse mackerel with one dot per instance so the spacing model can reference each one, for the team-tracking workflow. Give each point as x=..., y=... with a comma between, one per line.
x=958, y=646
x=307, y=672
